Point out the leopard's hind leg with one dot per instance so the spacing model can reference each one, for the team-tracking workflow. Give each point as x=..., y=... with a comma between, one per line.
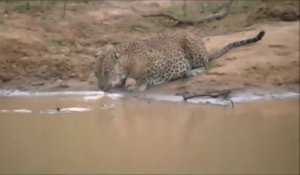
x=161, y=71
x=196, y=53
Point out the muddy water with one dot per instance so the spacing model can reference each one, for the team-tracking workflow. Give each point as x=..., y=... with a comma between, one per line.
x=134, y=136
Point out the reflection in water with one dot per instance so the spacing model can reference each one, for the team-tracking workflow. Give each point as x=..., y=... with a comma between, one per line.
x=131, y=136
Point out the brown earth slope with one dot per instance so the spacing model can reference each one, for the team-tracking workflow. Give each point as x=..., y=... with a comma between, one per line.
x=41, y=50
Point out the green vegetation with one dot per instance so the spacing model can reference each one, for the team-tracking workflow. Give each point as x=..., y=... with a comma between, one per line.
x=57, y=44
x=26, y=6
x=138, y=27
x=210, y=7
x=214, y=64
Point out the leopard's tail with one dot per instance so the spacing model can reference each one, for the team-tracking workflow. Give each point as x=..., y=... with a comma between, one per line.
x=230, y=46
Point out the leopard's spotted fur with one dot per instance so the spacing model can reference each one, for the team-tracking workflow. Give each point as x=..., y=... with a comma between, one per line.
x=157, y=60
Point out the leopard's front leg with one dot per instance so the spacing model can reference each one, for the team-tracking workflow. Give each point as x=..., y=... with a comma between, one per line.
x=152, y=74
x=135, y=85
x=196, y=71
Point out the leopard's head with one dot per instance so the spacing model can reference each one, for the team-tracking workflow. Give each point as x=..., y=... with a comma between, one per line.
x=110, y=70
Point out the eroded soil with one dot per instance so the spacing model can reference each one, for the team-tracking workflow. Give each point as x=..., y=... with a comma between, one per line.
x=41, y=50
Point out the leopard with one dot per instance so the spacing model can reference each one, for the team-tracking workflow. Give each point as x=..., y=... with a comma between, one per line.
x=158, y=59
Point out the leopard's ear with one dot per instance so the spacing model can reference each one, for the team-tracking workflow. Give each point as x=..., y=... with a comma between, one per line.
x=117, y=55
x=104, y=50
x=98, y=55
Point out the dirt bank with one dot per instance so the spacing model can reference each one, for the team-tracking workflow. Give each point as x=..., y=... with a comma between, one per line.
x=41, y=50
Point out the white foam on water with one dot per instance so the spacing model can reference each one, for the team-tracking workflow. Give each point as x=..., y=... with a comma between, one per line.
x=49, y=111
x=114, y=96
x=22, y=110
x=92, y=98
x=159, y=97
x=75, y=109
x=16, y=110
x=54, y=93
x=65, y=110
x=88, y=95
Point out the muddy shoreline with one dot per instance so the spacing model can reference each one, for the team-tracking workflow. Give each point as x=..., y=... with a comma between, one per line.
x=232, y=97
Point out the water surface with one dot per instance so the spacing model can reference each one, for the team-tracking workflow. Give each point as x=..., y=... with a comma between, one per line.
x=76, y=134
